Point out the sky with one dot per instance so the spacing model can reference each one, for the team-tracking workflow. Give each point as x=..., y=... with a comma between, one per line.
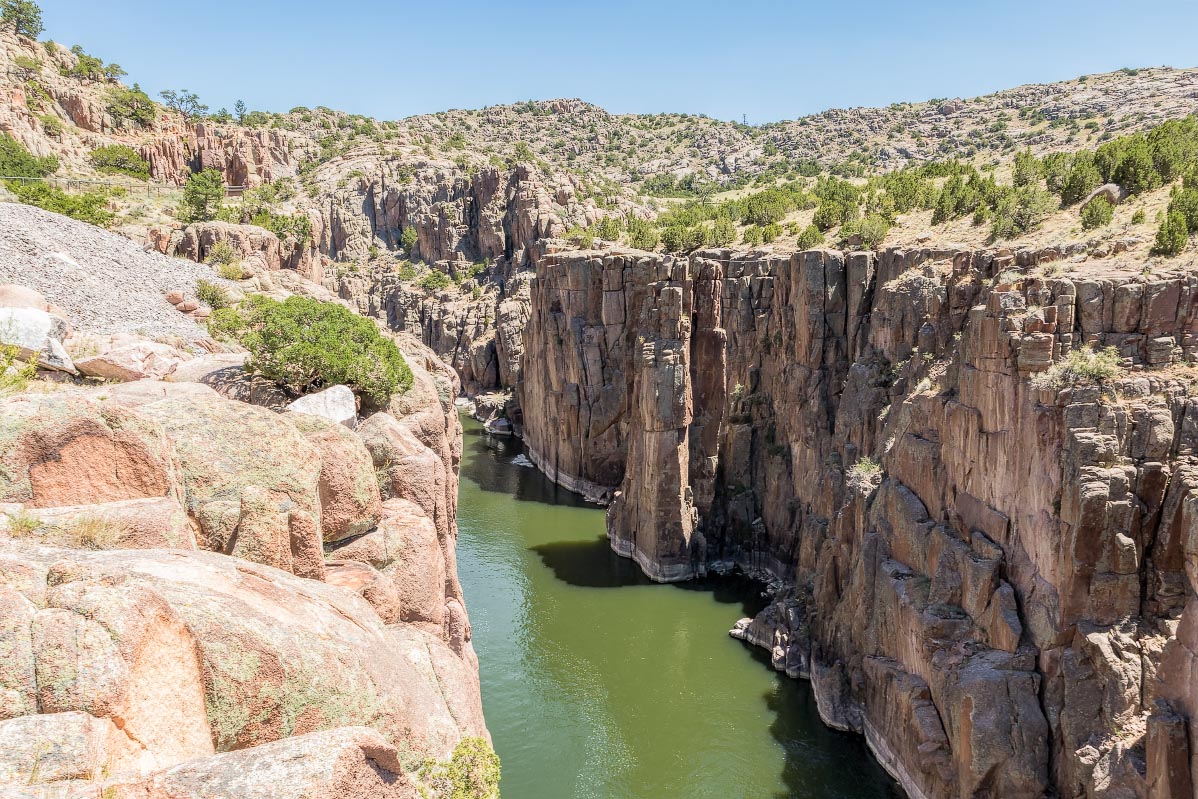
x=750, y=59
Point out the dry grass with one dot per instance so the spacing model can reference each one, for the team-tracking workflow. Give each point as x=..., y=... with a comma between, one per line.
x=91, y=532
x=21, y=524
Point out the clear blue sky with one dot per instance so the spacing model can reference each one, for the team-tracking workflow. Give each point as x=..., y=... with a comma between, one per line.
x=768, y=60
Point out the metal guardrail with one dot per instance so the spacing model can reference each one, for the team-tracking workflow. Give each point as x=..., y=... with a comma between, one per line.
x=77, y=184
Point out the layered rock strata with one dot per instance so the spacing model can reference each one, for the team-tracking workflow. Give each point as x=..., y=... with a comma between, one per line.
x=991, y=575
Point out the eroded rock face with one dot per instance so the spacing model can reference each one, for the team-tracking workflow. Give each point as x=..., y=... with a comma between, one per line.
x=999, y=604
x=126, y=664
x=191, y=652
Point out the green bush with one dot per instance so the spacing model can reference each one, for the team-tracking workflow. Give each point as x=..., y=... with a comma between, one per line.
x=1083, y=366
x=472, y=773
x=810, y=238
x=214, y=295
x=584, y=238
x=1020, y=211
x=1097, y=213
x=723, y=232
x=1185, y=202
x=872, y=230
x=120, y=159
x=1027, y=169
x=641, y=234
x=1082, y=179
x=434, y=280
x=202, y=196
x=770, y=232
x=90, y=207
x=1173, y=234
x=131, y=105
x=304, y=345
x=407, y=239
x=608, y=228
x=17, y=162
x=221, y=254
x=1139, y=217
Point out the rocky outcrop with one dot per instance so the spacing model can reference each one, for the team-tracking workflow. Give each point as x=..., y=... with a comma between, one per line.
x=988, y=572
x=197, y=591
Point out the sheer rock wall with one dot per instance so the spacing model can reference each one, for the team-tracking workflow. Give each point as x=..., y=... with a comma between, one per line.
x=1005, y=605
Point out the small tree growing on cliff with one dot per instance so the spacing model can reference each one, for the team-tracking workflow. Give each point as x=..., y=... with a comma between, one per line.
x=186, y=103
x=202, y=196
x=23, y=17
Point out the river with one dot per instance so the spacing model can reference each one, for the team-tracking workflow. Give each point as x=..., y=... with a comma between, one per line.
x=598, y=684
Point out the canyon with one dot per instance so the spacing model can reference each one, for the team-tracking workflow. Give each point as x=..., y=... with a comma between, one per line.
x=965, y=474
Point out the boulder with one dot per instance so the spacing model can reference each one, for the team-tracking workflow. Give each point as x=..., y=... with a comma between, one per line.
x=251, y=479
x=61, y=748
x=15, y=296
x=71, y=450
x=37, y=335
x=369, y=583
x=349, y=761
x=350, y=502
x=405, y=547
x=225, y=373
x=134, y=361
x=127, y=524
x=195, y=650
x=336, y=403
x=407, y=468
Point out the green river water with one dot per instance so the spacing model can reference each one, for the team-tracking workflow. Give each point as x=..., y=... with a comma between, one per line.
x=598, y=684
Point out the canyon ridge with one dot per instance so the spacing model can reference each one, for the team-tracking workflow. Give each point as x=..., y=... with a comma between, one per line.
x=929, y=372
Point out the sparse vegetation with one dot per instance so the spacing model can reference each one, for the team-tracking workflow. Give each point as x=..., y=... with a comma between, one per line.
x=472, y=773
x=304, y=345
x=14, y=374
x=1083, y=366
x=214, y=295
x=864, y=475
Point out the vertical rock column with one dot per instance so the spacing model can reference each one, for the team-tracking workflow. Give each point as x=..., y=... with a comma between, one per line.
x=652, y=518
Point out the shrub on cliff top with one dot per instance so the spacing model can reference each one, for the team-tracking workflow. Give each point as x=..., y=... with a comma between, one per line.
x=1097, y=213
x=304, y=345
x=1173, y=234
x=1084, y=366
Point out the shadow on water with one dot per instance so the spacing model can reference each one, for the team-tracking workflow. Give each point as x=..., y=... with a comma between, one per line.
x=818, y=761
x=524, y=483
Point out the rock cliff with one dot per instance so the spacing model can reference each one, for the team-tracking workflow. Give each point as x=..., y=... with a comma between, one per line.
x=197, y=589
x=985, y=544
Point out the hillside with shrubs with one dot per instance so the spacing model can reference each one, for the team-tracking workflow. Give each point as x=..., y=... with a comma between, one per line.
x=1014, y=168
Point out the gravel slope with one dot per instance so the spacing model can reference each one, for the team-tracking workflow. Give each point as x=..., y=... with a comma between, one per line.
x=104, y=282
